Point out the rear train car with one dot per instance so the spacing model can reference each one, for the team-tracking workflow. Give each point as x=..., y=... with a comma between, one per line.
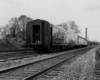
x=38, y=34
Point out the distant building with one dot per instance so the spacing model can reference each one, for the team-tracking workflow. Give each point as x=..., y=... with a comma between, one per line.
x=19, y=37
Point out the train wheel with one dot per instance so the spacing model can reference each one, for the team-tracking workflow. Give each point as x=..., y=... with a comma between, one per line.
x=51, y=49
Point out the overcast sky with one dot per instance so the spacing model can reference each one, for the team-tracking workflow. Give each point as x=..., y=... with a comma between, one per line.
x=86, y=13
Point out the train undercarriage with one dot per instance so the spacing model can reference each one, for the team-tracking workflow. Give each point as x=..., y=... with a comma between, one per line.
x=42, y=48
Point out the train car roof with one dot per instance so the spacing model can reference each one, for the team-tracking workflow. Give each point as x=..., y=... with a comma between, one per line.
x=82, y=37
x=47, y=22
x=58, y=27
x=38, y=20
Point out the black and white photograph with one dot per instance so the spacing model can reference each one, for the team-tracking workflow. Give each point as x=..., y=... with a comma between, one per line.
x=49, y=39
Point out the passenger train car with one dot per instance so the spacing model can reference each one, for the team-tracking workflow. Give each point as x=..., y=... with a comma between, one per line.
x=42, y=35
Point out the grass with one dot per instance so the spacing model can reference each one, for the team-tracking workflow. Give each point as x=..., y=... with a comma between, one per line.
x=6, y=44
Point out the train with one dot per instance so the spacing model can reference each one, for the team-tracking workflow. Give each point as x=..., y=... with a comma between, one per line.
x=42, y=35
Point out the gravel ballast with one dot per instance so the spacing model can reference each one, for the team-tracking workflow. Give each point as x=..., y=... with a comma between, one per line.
x=18, y=62
x=80, y=68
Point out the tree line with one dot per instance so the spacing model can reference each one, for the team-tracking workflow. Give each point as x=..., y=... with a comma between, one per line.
x=14, y=26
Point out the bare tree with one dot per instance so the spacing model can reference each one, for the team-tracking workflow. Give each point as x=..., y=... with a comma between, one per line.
x=4, y=30
x=23, y=19
x=74, y=26
x=14, y=26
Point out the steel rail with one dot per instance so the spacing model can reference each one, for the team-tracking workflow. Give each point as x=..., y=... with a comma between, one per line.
x=40, y=74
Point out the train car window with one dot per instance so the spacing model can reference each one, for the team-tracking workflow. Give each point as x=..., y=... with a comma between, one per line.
x=36, y=33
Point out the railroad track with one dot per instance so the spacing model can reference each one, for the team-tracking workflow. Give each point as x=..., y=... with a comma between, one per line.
x=5, y=56
x=17, y=50
x=17, y=54
x=35, y=70
x=97, y=66
x=97, y=72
